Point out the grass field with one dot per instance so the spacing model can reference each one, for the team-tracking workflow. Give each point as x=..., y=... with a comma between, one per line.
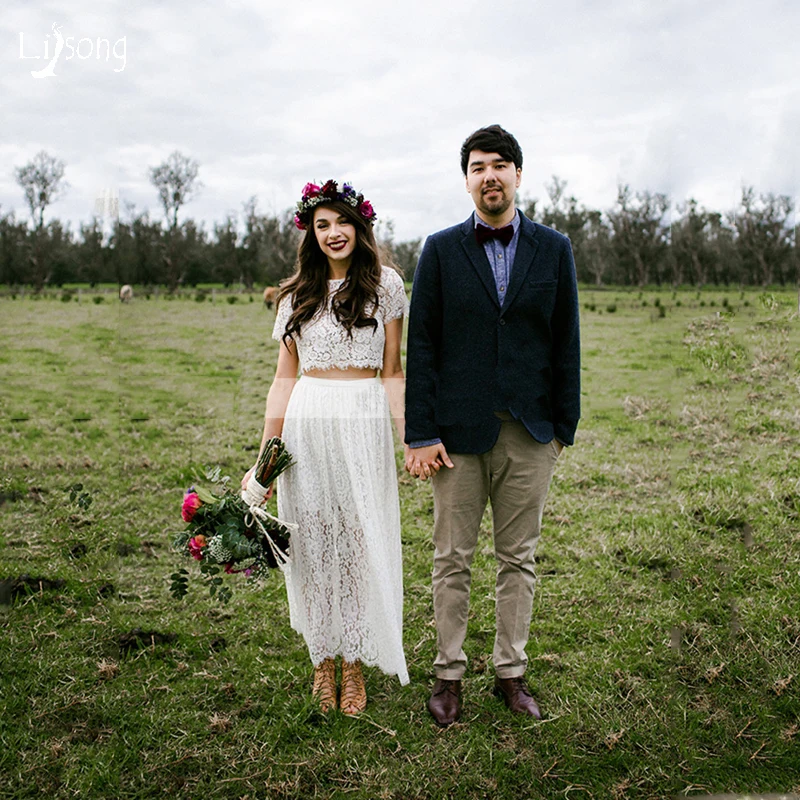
x=665, y=646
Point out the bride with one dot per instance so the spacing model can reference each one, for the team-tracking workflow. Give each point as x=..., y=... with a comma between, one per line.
x=339, y=322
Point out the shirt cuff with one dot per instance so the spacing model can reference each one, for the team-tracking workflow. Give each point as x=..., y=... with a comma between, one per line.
x=424, y=443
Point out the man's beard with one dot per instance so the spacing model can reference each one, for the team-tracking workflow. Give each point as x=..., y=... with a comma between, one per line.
x=497, y=206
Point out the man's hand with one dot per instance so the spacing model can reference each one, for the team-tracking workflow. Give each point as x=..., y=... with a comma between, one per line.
x=423, y=462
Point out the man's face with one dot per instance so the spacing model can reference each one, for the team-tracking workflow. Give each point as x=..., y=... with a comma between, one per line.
x=493, y=182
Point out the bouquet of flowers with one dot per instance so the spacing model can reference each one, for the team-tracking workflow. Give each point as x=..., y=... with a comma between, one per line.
x=230, y=531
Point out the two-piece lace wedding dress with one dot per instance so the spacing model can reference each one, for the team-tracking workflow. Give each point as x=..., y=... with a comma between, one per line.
x=345, y=582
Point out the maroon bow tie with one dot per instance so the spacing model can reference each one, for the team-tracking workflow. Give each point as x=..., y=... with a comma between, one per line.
x=483, y=233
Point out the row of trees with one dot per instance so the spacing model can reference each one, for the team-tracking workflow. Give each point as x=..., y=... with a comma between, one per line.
x=252, y=249
x=642, y=239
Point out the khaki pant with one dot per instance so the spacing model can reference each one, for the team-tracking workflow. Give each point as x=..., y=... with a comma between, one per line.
x=515, y=476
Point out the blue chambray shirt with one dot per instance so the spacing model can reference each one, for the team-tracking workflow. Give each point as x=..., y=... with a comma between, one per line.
x=501, y=258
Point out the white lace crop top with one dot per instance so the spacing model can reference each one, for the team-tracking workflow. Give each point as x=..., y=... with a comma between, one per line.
x=323, y=342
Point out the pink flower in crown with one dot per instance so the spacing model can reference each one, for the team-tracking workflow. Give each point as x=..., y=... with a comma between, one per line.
x=366, y=209
x=298, y=223
x=191, y=502
x=310, y=190
x=196, y=545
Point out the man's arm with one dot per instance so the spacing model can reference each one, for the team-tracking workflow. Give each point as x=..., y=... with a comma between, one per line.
x=566, y=397
x=422, y=349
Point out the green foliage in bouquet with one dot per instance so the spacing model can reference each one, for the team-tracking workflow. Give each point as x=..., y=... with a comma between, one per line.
x=227, y=533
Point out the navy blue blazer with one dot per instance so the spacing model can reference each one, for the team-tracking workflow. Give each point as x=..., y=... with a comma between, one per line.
x=468, y=356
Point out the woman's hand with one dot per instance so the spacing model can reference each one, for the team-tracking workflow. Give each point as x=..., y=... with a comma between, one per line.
x=247, y=477
x=424, y=462
x=248, y=474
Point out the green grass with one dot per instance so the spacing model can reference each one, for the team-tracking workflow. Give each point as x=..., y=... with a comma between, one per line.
x=665, y=646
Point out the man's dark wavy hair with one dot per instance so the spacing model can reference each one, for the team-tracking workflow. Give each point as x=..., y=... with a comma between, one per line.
x=493, y=139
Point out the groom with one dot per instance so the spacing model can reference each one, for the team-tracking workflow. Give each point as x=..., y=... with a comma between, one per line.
x=492, y=396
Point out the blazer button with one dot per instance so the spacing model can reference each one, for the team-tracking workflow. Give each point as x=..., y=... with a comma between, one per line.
x=502, y=322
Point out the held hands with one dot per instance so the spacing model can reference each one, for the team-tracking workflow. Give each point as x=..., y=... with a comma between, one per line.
x=246, y=478
x=423, y=462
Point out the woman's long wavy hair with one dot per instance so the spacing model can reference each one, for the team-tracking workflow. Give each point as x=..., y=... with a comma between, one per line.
x=356, y=300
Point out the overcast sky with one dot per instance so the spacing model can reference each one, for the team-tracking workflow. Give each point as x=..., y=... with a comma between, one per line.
x=692, y=99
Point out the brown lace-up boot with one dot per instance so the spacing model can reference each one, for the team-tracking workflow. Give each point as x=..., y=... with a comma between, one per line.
x=354, y=692
x=325, y=685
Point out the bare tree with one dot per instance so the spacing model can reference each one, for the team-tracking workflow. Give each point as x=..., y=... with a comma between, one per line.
x=689, y=240
x=593, y=254
x=640, y=234
x=764, y=235
x=585, y=228
x=555, y=191
x=43, y=182
x=176, y=182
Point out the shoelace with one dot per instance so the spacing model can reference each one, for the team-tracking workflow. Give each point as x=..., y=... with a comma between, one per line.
x=353, y=688
x=522, y=686
x=325, y=685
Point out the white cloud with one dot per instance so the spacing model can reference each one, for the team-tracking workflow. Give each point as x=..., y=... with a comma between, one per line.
x=678, y=97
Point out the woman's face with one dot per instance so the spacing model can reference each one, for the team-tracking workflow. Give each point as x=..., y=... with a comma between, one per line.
x=336, y=235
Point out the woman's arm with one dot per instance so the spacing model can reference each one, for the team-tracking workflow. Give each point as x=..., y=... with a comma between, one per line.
x=392, y=374
x=280, y=391
x=278, y=396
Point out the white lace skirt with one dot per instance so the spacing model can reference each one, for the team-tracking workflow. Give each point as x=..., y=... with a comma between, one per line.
x=345, y=583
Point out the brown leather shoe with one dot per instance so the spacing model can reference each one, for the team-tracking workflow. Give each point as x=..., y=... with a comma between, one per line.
x=445, y=702
x=517, y=696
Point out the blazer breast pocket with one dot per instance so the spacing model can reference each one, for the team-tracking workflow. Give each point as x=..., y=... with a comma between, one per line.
x=540, y=297
x=542, y=285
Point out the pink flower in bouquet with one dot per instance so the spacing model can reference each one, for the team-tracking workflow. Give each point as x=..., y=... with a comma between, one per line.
x=196, y=545
x=191, y=502
x=310, y=190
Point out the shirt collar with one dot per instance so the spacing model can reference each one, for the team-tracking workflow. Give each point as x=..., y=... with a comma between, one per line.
x=476, y=220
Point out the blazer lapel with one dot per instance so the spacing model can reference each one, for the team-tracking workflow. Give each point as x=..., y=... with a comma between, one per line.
x=523, y=260
x=477, y=257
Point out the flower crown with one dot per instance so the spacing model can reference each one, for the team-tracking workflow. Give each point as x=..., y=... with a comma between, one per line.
x=314, y=195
